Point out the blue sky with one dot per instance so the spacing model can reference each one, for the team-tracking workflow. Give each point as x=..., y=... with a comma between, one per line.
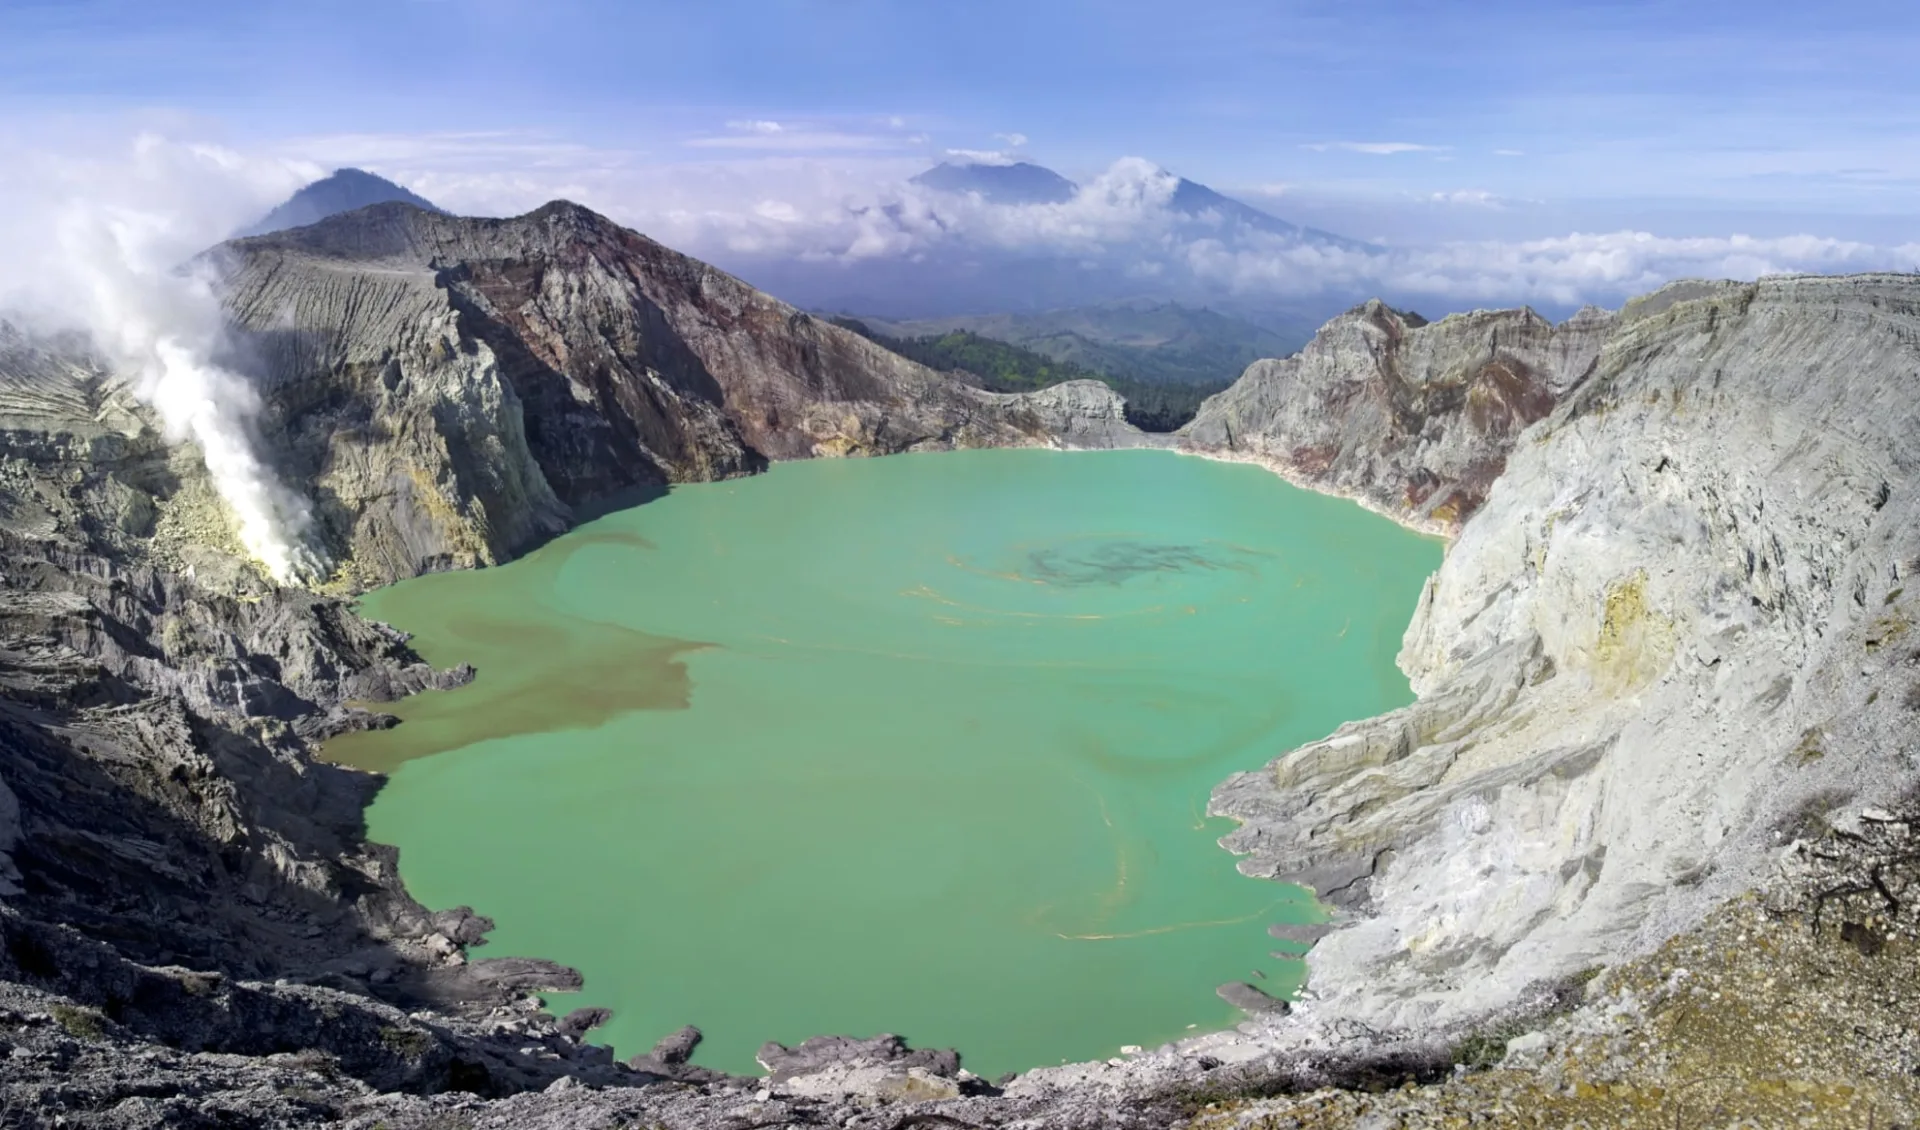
x=1401, y=121
x=1768, y=103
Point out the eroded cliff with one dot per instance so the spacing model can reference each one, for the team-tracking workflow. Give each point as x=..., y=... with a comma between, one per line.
x=452, y=391
x=1675, y=631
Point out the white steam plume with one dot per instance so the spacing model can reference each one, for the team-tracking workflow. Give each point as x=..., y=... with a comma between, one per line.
x=99, y=246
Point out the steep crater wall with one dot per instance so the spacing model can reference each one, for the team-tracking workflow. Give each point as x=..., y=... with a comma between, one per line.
x=451, y=391
x=1676, y=630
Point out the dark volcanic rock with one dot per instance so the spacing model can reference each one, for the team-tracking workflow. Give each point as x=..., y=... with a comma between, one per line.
x=669, y=1057
x=1247, y=998
x=463, y=926
x=576, y=1024
x=678, y=1048
x=526, y=974
x=821, y=1052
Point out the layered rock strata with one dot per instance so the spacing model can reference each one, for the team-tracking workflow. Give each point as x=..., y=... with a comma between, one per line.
x=1411, y=420
x=453, y=391
x=1676, y=631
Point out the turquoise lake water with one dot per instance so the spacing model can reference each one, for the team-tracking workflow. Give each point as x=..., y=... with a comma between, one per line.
x=918, y=744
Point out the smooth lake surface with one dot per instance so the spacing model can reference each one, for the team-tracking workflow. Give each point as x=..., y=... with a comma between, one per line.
x=918, y=744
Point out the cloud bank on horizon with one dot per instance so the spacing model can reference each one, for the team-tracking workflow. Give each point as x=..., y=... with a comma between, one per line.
x=95, y=240
x=816, y=218
x=1495, y=152
x=854, y=215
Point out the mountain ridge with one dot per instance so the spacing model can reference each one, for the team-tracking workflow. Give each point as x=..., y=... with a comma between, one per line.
x=1016, y=182
x=601, y=362
x=974, y=256
x=343, y=190
x=1139, y=339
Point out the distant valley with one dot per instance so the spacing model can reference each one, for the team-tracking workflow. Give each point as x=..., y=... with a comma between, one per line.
x=1163, y=357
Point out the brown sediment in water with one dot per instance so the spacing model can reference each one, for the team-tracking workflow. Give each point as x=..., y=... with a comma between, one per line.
x=566, y=673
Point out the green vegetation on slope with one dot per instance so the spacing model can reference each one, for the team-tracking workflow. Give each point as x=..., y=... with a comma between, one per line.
x=1154, y=342
x=1000, y=367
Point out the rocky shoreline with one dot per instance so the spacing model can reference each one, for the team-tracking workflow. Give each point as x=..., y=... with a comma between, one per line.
x=1670, y=640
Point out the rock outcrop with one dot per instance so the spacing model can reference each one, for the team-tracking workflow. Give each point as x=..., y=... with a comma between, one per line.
x=1676, y=632
x=1412, y=419
x=453, y=391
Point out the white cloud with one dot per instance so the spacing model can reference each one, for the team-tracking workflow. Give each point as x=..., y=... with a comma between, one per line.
x=1565, y=270
x=982, y=156
x=778, y=211
x=1121, y=221
x=1509, y=153
x=756, y=126
x=96, y=242
x=857, y=208
x=794, y=140
x=1469, y=197
x=1376, y=148
x=1013, y=140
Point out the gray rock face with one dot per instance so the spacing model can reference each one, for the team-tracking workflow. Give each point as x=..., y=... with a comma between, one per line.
x=821, y=1052
x=1082, y=414
x=447, y=392
x=453, y=391
x=1679, y=624
x=1413, y=419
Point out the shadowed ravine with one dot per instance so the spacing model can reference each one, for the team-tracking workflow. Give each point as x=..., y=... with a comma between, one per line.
x=937, y=766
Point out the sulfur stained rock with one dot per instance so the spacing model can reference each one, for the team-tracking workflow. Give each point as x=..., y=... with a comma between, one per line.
x=1649, y=648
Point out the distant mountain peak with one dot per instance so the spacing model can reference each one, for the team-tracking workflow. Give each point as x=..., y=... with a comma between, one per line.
x=1191, y=198
x=345, y=190
x=1018, y=182
x=1021, y=182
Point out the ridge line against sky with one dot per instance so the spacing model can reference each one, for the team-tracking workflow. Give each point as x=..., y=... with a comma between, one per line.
x=755, y=127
